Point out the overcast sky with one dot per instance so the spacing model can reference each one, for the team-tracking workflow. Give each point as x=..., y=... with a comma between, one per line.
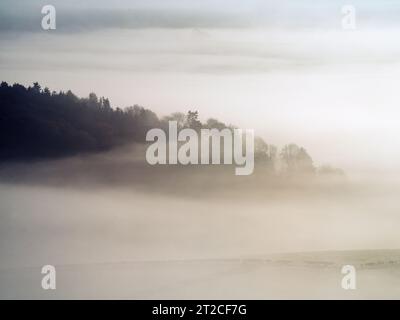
x=285, y=68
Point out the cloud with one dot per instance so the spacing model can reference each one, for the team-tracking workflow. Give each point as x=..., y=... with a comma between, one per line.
x=78, y=16
x=89, y=18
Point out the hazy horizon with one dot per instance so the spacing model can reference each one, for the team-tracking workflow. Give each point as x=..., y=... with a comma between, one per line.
x=77, y=191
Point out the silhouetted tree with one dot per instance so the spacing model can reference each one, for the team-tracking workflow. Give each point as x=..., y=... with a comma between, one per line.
x=192, y=120
x=179, y=117
x=296, y=160
x=35, y=123
x=215, y=124
x=265, y=154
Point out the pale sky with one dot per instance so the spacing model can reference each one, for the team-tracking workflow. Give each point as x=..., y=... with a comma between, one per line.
x=285, y=68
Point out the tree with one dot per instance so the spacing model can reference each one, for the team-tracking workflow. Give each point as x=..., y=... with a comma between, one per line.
x=296, y=160
x=93, y=100
x=215, y=124
x=36, y=87
x=37, y=124
x=179, y=117
x=265, y=154
x=192, y=120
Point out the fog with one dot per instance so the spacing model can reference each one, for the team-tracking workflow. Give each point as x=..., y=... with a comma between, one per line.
x=115, y=227
x=271, y=67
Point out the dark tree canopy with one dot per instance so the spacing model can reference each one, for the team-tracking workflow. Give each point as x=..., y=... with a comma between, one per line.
x=36, y=123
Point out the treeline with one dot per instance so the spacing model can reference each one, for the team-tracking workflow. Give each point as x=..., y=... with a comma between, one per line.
x=36, y=123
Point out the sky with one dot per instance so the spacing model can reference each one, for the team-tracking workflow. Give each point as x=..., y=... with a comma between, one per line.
x=284, y=68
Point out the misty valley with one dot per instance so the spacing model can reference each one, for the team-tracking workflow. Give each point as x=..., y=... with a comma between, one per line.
x=78, y=192
x=115, y=226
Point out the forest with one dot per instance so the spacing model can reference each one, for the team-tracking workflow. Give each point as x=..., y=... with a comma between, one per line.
x=36, y=123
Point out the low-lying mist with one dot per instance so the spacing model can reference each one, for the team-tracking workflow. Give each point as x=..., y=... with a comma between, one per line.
x=114, y=208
